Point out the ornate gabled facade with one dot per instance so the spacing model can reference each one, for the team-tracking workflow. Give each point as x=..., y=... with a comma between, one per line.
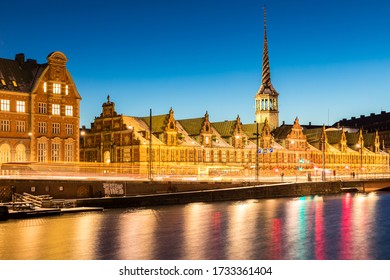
x=39, y=114
x=199, y=146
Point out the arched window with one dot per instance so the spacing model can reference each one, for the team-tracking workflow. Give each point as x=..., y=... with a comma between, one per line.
x=20, y=154
x=107, y=157
x=5, y=153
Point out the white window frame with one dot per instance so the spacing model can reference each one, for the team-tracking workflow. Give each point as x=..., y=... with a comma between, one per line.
x=5, y=125
x=55, y=128
x=69, y=129
x=57, y=88
x=42, y=127
x=207, y=155
x=55, y=152
x=42, y=151
x=20, y=126
x=5, y=105
x=20, y=106
x=69, y=110
x=55, y=109
x=42, y=108
x=69, y=152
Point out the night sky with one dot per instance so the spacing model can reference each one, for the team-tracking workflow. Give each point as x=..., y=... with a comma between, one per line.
x=329, y=59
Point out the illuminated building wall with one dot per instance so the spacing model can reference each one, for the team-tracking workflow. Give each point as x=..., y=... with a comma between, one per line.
x=39, y=111
x=199, y=146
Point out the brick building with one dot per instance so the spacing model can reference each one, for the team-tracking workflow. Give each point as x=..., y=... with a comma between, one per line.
x=160, y=145
x=39, y=111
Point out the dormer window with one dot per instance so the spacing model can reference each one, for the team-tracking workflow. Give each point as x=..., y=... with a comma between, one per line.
x=57, y=88
x=3, y=82
x=15, y=83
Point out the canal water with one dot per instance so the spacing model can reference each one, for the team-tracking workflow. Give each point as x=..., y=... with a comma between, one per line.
x=347, y=226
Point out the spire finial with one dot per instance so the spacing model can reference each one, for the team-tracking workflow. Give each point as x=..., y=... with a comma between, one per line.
x=265, y=17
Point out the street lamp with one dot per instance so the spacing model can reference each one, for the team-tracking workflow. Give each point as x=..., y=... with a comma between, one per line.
x=257, y=151
x=295, y=159
x=131, y=146
x=323, y=173
x=83, y=136
x=31, y=145
x=150, y=176
x=360, y=147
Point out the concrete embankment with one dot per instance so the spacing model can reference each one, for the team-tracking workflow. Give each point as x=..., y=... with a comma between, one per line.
x=240, y=193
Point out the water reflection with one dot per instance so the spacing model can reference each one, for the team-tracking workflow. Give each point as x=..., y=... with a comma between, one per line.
x=350, y=226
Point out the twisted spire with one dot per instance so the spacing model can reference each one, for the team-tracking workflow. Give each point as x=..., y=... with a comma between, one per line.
x=266, y=75
x=266, y=85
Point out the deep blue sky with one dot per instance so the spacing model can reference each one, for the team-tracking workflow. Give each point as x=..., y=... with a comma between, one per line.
x=329, y=59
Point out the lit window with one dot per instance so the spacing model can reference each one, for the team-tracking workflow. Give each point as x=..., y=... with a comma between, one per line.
x=20, y=126
x=20, y=154
x=207, y=155
x=42, y=128
x=4, y=125
x=14, y=83
x=55, y=110
x=216, y=156
x=44, y=87
x=66, y=89
x=42, y=108
x=4, y=105
x=42, y=148
x=5, y=153
x=55, y=128
x=3, y=82
x=56, y=88
x=68, y=110
x=223, y=156
x=20, y=106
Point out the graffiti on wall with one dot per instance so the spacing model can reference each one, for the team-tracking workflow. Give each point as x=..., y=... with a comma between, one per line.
x=113, y=189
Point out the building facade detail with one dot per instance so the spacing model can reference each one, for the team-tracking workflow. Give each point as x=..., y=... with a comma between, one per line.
x=39, y=114
x=123, y=141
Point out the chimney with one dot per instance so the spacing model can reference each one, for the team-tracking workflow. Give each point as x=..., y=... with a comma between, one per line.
x=20, y=58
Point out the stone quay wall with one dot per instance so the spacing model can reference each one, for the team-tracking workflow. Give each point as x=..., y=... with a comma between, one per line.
x=240, y=193
x=111, y=194
x=76, y=189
